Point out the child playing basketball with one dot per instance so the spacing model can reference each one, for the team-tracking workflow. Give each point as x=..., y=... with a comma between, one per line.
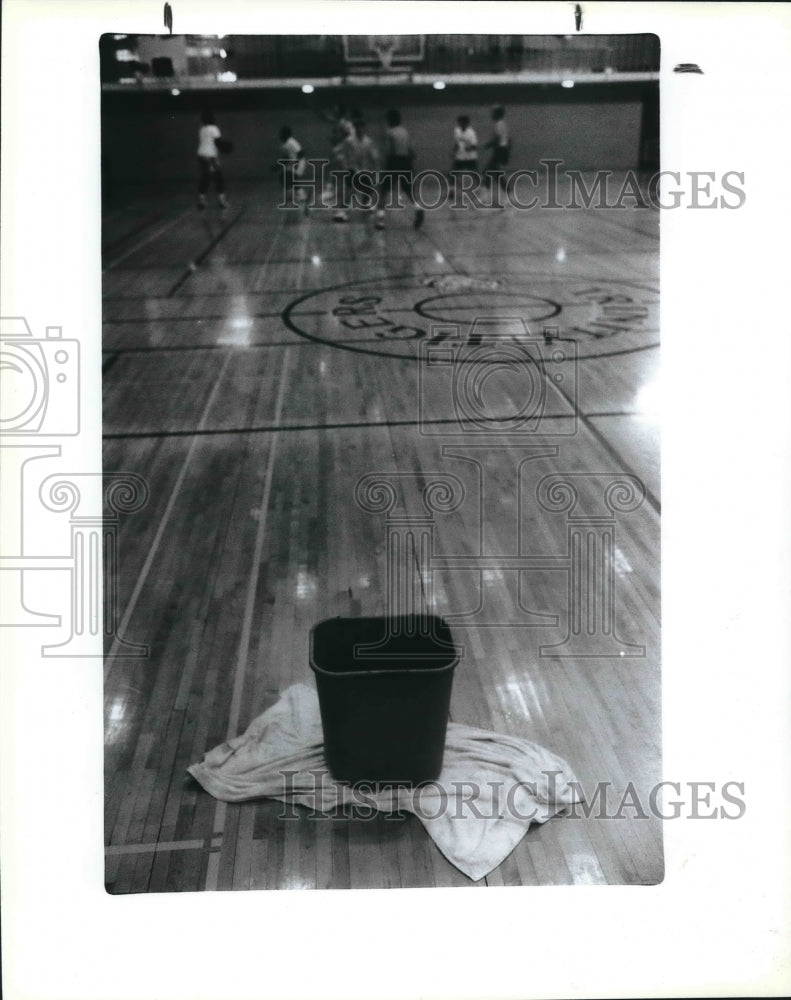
x=342, y=125
x=500, y=145
x=397, y=174
x=357, y=158
x=465, y=146
x=209, y=161
x=293, y=163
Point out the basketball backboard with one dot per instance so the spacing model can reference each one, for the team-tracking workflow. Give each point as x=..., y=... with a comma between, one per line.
x=382, y=53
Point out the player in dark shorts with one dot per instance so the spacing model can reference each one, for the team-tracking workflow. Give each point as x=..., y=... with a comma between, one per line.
x=500, y=145
x=397, y=174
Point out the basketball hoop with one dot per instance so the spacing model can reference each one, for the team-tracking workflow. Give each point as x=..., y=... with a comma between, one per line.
x=381, y=54
x=384, y=46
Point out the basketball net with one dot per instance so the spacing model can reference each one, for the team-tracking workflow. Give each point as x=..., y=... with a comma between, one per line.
x=384, y=47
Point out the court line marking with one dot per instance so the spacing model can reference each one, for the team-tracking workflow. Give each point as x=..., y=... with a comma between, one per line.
x=212, y=872
x=259, y=345
x=109, y=361
x=213, y=317
x=384, y=259
x=321, y=288
x=152, y=218
x=154, y=848
x=611, y=450
x=291, y=313
x=134, y=231
x=143, y=575
x=221, y=809
x=199, y=295
x=253, y=293
x=195, y=264
x=252, y=587
x=146, y=241
x=359, y=425
x=185, y=319
x=197, y=434
x=653, y=500
x=597, y=435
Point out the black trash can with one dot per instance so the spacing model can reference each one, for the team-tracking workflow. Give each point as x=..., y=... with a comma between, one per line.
x=384, y=692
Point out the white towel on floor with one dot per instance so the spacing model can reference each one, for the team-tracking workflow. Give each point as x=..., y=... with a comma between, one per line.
x=491, y=788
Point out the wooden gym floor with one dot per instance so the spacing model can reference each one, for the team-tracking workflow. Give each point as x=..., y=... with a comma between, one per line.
x=247, y=380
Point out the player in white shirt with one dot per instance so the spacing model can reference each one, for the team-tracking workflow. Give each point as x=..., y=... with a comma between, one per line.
x=465, y=148
x=465, y=145
x=209, y=161
x=292, y=162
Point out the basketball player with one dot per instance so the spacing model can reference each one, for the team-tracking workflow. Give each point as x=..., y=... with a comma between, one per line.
x=465, y=148
x=209, y=161
x=397, y=173
x=465, y=145
x=358, y=158
x=293, y=163
x=341, y=128
x=500, y=145
x=342, y=125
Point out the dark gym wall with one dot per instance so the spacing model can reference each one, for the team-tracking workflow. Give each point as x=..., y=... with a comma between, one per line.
x=148, y=137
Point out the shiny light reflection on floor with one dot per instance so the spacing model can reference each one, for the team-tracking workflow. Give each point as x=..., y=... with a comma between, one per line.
x=511, y=692
x=306, y=585
x=116, y=726
x=239, y=335
x=621, y=564
x=560, y=255
x=436, y=598
x=433, y=590
x=584, y=868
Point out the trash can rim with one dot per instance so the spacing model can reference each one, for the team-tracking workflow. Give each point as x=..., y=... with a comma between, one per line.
x=389, y=671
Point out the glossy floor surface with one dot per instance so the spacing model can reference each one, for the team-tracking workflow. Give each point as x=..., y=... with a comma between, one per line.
x=265, y=372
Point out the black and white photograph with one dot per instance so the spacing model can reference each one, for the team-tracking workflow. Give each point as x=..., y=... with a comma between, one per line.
x=395, y=462
x=381, y=355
